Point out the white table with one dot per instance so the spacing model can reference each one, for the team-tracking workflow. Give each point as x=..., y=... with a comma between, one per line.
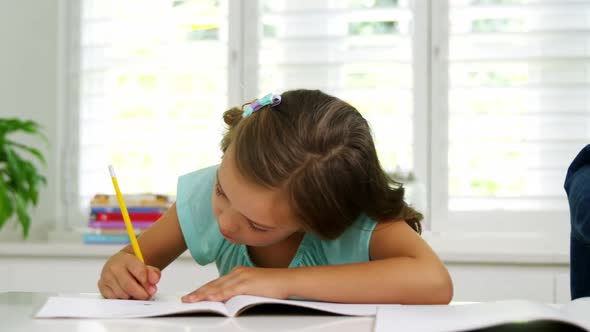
x=17, y=310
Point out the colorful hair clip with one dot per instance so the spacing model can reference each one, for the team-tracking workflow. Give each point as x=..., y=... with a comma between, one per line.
x=270, y=99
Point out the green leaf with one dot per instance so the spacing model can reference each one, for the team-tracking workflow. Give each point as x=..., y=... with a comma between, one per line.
x=3, y=148
x=28, y=170
x=15, y=171
x=6, y=205
x=23, y=215
x=28, y=126
x=31, y=150
x=14, y=124
x=20, y=179
x=33, y=179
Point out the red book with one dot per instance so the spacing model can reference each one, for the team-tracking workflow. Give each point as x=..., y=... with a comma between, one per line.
x=134, y=216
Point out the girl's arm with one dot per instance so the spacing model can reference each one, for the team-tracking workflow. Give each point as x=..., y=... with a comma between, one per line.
x=403, y=269
x=163, y=242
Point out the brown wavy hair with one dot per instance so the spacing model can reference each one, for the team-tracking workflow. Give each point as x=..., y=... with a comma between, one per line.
x=320, y=150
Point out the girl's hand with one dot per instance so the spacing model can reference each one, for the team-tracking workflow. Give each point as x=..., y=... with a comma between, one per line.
x=243, y=280
x=124, y=276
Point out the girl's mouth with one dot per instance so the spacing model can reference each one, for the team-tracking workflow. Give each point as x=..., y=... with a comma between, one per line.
x=226, y=236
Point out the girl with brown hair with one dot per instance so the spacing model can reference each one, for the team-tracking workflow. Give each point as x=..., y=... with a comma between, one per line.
x=299, y=207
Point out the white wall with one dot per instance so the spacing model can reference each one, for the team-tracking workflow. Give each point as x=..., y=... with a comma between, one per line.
x=28, y=83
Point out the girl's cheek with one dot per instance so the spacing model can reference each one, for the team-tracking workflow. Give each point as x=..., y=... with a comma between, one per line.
x=217, y=210
x=216, y=206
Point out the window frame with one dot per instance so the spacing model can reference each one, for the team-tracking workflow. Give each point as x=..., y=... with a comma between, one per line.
x=69, y=36
x=442, y=219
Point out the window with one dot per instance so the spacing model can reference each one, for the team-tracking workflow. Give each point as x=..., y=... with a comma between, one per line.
x=153, y=84
x=518, y=77
x=360, y=51
x=484, y=101
x=154, y=81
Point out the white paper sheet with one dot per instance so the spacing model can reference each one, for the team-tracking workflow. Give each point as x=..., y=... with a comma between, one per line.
x=84, y=307
x=77, y=307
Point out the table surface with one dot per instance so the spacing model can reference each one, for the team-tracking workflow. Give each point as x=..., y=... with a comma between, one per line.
x=18, y=308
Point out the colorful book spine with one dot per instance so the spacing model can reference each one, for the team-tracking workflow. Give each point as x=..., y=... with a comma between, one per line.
x=134, y=216
x=130, y=209
x=106, y=238
x=119, y=224
x=110, y=231
x=151, y=200
x=105, y=221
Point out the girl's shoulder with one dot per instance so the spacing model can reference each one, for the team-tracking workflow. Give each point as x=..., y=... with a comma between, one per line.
x=194, y=189
x=352, y=245
x=203, y=174
x=195, y=214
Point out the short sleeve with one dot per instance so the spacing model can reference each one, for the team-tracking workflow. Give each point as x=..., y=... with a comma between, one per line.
x=352, y=246
x=195, y=214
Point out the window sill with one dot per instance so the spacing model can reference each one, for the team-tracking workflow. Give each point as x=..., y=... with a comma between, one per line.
x=504, y=248
x=461, y=248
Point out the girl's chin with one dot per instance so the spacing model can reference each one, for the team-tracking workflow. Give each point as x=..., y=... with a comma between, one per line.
x=232, y=240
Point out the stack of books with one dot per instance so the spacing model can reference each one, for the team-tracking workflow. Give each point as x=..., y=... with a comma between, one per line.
x=106, y=224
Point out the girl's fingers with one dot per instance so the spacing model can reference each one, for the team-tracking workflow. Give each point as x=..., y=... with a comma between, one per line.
x=124, y=285
x=219, y=289
x=131, y=287
x=197, y=295
x=147, y=277
x=223, y=290
x=125, y=276
x=105, y=290
x=109, y=287
x=139, y=271
x=108, y=293
x=154, y=275
x=118, y=291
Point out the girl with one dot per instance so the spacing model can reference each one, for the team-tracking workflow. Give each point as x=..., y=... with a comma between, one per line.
x=298, y=207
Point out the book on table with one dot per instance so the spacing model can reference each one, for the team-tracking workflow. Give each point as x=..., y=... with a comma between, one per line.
x=509, y=315
x=106, y=222
x=133, y=201
x=130, y=209
x=81, y=307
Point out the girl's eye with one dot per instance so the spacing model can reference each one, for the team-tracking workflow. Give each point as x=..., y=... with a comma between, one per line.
x=256, y=229
x=218, y=190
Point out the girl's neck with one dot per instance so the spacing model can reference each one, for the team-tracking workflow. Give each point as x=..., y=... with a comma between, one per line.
x=278, y=255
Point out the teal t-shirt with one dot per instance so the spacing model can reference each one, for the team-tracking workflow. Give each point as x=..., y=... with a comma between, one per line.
x=207, y=245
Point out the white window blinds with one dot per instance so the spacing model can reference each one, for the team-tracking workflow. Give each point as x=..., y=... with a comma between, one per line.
x=512, y=100
x=152, y=91
x=519, y=107
x=154, y=81
x=360, y=51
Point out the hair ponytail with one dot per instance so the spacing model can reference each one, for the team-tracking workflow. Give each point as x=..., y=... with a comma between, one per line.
x=231, y=117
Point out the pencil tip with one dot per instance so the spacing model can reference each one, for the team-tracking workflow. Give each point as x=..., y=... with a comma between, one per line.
x=112, y=171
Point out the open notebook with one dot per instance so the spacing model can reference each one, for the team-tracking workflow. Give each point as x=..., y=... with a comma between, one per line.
x=79, y=307
x=467, y=317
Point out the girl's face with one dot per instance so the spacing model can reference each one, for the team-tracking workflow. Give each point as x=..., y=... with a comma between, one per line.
x=248, y=213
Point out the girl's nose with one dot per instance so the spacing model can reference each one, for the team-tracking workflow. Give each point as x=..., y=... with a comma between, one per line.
x=229, y=221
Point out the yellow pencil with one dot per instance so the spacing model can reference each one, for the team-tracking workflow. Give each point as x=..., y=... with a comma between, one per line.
x=125, y=214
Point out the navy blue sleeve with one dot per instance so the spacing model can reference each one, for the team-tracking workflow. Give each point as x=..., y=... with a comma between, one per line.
x=577, y=187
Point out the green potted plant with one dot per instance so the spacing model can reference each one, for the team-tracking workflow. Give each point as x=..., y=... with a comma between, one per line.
x=20, y=179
